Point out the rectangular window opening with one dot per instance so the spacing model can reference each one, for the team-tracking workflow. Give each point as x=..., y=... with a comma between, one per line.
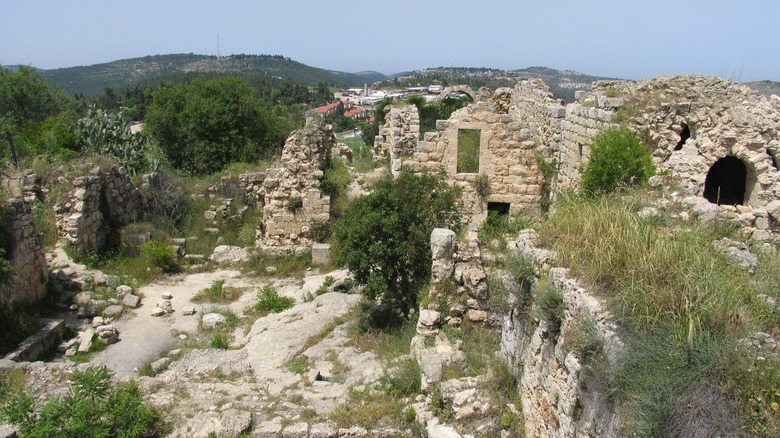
x=468, y=150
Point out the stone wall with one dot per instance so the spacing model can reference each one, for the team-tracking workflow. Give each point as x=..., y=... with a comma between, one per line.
x=99, y=203
x=507, y=158
x=563, y=393
x=296, y=176
x=26, y=254
x=398, y=137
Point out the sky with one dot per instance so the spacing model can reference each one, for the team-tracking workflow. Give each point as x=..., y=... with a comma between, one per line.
x=735, y=39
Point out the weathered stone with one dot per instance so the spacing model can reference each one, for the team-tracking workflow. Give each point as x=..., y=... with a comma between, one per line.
x=211, y=320
x=187, y=311
x=442, y=243
x=158, y=311
x=229, y=254
x=123, y=290
x=112, y=311
x=165, y=305
x=131, y=301
x=86, y=341
x=320, y=253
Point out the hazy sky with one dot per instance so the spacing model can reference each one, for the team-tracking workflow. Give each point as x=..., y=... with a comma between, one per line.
x=736, y=39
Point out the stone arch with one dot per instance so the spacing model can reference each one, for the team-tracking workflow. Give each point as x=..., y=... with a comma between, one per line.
x=459, y=90
x=729, y=181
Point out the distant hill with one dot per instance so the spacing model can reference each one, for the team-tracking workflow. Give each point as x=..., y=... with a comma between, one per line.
x=92, y=80
x=767, y=88
x=562, y=83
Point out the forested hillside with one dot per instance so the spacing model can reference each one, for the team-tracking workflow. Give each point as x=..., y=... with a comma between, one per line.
x=92, y=80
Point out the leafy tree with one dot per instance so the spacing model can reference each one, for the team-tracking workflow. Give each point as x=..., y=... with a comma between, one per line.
x=617, y=160
x=25, y=97
x=384, y=236
x=204, y=126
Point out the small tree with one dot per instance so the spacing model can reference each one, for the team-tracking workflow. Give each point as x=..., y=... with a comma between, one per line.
x=617, y=160
x=384, y=236
x=25, y=97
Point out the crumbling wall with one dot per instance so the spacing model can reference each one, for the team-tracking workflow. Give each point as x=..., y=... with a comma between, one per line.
x=26, y=254
x=723, y=118
x=294, y=201
x=564, y=393
x=398, y=137
x=507, y=158
x=99, y=203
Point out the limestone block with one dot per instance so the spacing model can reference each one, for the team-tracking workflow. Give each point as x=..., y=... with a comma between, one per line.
x=320, y=253
x=442, y=243
x=131, y=301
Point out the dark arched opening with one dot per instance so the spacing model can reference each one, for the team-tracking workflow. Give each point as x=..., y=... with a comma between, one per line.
x=684, y=136
x=726, y=180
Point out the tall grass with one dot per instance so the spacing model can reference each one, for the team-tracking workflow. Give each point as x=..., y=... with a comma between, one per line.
x=683, y=306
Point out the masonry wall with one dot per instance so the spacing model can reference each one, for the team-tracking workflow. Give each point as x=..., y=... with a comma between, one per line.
x=26, y=254
x=297, y=175
x=99, y=203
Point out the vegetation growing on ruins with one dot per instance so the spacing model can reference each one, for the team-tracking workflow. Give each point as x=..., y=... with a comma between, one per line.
x=93, y=407
x=617, y=160
x=686, y=312
x=383, y=237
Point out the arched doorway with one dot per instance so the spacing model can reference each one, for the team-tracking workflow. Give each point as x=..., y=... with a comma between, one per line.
x=726, y=182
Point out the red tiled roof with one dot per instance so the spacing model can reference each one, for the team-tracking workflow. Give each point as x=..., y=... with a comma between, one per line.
x=327, y=107
x=353, y=112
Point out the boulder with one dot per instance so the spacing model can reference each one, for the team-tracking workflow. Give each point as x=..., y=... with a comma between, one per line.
x=229, y=254
x=442, y=243
x=211, y=320
x=123, y=290
x=131, y=301
x=112, y=311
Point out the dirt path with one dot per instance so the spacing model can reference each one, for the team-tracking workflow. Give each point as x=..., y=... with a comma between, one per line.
x=143, y=336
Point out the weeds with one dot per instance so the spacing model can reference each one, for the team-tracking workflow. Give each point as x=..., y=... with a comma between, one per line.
x=269, y=301
x=217, y=293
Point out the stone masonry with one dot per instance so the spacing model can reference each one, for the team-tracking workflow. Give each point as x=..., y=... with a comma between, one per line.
x=294, y=201
x=99, y=203
x=26, y=254
x=689, y=122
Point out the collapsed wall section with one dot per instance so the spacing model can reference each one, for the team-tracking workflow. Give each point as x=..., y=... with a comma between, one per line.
x=399, y=135
x=99, y=204
x=563, y=385
x=25, y=252
x=294, y=200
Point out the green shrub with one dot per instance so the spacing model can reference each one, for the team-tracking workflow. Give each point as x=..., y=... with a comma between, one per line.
x=617, y=160
x=217, y=293
x=92, y=408
x=482, y=185
x=383, y=237
x=294, y=203
x=551, y=308
x=220, y=341
x=268, y=300
x=497, y=225
x=161, y=255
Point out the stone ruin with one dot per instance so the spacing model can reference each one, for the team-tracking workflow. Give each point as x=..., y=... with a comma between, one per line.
x=99, y=204
x=718, y=138
x=26, y=254
x=294, y=202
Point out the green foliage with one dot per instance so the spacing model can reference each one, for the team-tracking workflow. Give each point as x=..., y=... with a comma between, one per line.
x=551, y=309
x=101, y=132
x=497, y=226
x=582, y=337
x=294, y=203
x=6, y=270
x=482, y=185
x=93, y=408
x=269, y=301
x=25, y=97
x=468, y=150
x=217, y=293
x=328, y=282
x=204, y=126
x=372, y=130
x=685, y=310
x=161, y=255
x=617, y=160
x=336, y=184
x=220, y=341
x=383, y=237
x=404, y=380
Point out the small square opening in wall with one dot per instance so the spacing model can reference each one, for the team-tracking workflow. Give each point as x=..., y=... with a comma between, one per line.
x=468, y=150
x=499, y=208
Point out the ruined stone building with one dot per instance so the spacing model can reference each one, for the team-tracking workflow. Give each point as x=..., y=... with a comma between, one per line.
x=719, y=138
